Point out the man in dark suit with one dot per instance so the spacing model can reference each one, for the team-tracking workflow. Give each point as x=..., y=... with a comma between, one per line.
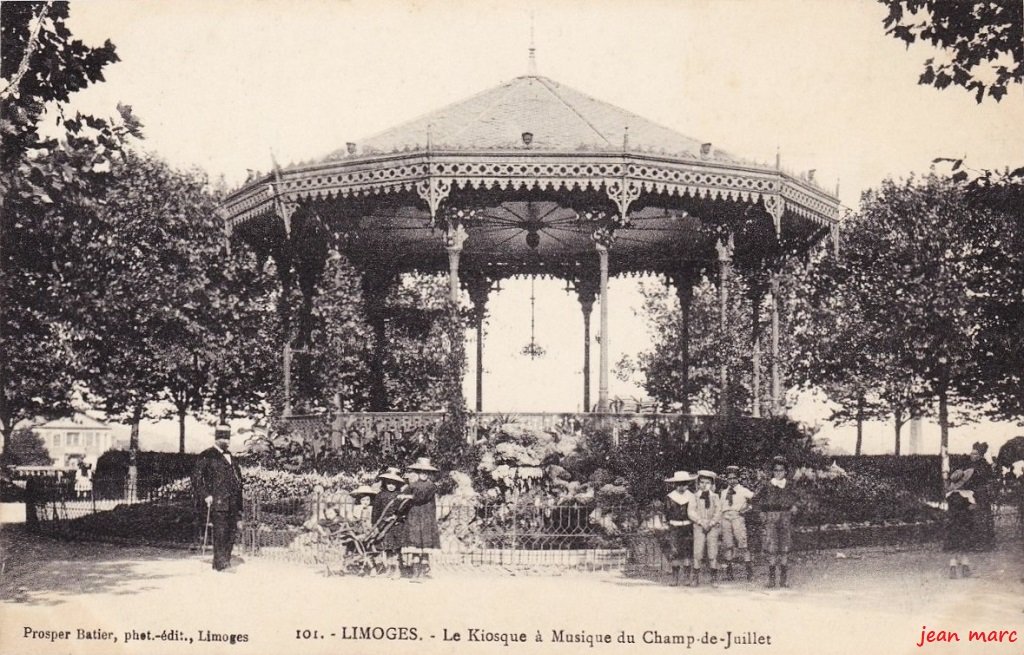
x=217, y=481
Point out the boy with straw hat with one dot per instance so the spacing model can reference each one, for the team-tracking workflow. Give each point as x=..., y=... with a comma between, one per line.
x=678, y=544
x=706, y=513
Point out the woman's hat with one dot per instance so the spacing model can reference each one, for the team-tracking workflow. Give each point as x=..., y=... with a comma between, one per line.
x=222, y=432
x=682, y=476
x=363, y=490
x=423, y=464
x=779, y=460
x=707, y=475
x=981, y=447
x=393, y=475
x=732, y=470
x=959, y=478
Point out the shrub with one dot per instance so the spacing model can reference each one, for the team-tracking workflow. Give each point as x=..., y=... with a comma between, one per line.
x=922, y=474
x=154, y=470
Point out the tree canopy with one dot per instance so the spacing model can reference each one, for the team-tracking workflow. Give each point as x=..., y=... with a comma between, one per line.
x=983, y=40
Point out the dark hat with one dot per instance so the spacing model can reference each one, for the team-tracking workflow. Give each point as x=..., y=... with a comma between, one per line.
x=222, y=432
x=981, y=447
x=780, y=460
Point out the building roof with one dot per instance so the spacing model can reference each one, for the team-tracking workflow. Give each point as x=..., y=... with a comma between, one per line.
x=76, y=421
x=559, y=118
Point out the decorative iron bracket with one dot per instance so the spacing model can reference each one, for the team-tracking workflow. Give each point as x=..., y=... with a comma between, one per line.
x=623, y=192
x=284, y=209
x=434, y=191
x=775, y=205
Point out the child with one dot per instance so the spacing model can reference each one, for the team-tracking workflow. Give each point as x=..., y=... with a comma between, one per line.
x=362, y=510
x=777, y=502
x=421, y=530
x=678, y=544
x=735, y=503
x=384, y=504
x=706, y=513
x=960, y=528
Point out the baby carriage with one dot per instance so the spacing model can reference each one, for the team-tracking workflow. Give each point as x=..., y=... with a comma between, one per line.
x=346, y=551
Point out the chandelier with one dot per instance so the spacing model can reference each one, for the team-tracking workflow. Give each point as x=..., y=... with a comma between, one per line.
x=533, y=350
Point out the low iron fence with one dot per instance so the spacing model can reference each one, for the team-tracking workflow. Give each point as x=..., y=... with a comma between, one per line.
x=472, y=535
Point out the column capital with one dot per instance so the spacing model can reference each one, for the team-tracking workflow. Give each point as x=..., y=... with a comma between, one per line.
x=479, y=288
x=725, y=248
x=603, y=238
x=454, y=237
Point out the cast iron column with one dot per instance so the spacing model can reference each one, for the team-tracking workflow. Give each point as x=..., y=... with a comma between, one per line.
x=479, y=288
x=602, y=387
x=776, y=381
x=586, y=290
x=724, y=268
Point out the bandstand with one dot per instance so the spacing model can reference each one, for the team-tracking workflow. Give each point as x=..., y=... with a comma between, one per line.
x=533, y=178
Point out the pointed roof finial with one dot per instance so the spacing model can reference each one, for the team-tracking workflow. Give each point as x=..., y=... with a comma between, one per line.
x=531, y=67
x=778, y=158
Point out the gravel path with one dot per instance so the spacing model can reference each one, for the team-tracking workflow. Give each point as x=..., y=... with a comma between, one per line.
x=868, y=602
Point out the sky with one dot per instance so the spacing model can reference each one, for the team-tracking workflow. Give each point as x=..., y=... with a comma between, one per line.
x=221, y=86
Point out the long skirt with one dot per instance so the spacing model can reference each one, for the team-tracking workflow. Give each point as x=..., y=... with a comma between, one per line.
x=677, y=544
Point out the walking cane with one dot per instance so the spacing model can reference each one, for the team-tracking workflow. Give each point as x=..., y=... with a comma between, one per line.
x=206, y=528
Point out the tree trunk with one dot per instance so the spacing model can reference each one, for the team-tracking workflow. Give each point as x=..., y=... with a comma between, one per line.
x=944, y=431
x=132, y=491
x=860, y=425
x=181, y=431
x=6, y=420
x=898, y=423
x=6, y=432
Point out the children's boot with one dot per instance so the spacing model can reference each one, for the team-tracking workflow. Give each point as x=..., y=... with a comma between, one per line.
x=696, y=577
x=675, y=576
x=728, y=571
x=689, y=576
x=714, y=577
x=750, y=571
x=965, y=570
x=771, y=577
x=783, y=576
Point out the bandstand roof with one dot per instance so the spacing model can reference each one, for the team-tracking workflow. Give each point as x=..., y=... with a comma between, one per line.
x=667, y=196
x=559, y=118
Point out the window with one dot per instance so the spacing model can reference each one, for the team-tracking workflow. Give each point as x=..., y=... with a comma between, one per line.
x=90, y=438
x=56, y=440
x=72, y=438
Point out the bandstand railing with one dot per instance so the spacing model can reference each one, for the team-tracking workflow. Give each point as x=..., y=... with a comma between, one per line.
x=360, y=429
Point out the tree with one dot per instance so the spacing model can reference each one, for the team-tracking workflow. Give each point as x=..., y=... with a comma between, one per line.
x=143, y=275
x=912, y=255
x=27, y=449
x=43, y=181
x=999, y=304
x=833, y=344
x=244, y=368
x=984, y=41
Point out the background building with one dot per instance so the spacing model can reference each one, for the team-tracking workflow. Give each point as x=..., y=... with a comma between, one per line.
x=76, y=439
